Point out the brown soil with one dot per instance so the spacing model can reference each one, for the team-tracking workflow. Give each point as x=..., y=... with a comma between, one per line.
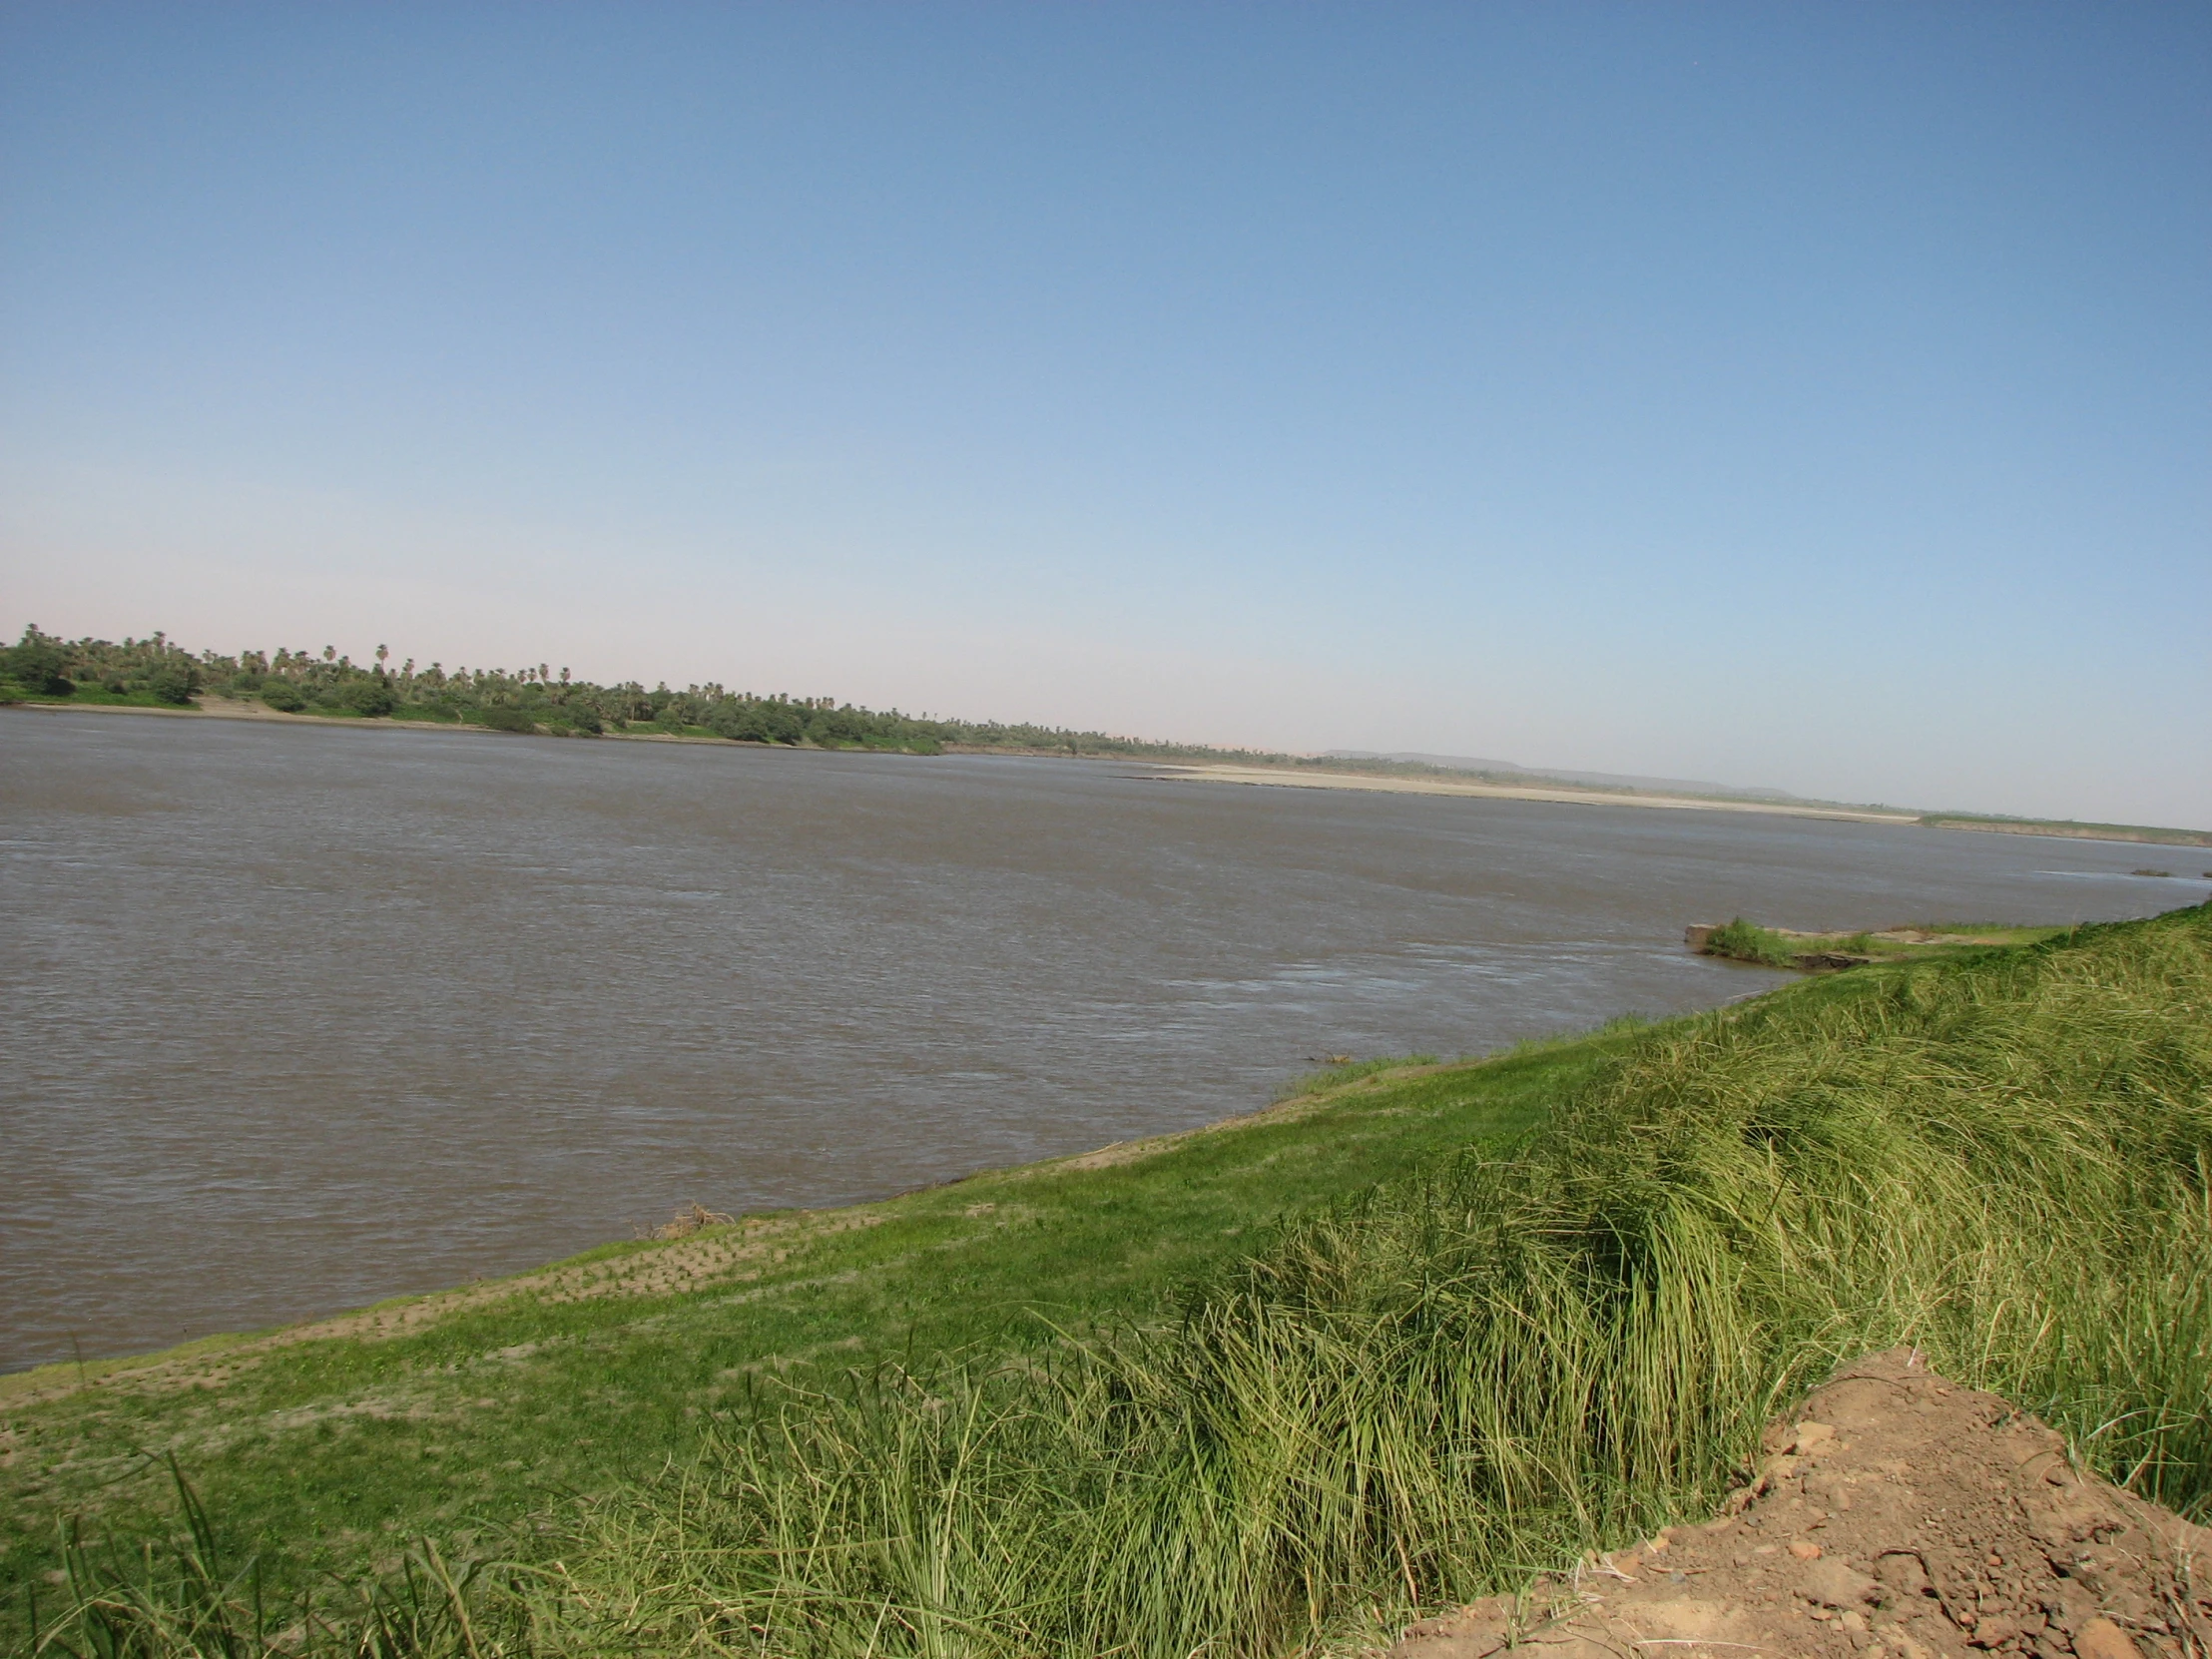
x=1895, y=1515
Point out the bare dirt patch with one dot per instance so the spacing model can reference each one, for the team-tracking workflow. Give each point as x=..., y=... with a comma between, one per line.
x=1894, y=1515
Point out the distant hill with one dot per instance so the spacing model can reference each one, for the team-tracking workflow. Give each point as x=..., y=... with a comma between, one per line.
x=1606, y=779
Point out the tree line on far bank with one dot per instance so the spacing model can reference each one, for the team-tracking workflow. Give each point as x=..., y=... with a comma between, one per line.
x=158, y=673
x=155, y=672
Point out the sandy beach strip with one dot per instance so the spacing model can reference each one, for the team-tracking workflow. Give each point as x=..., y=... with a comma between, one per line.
x=1387, y=784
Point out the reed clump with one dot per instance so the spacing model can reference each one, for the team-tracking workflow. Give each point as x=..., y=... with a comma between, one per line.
x=1747, y=941
x=1447, y=1382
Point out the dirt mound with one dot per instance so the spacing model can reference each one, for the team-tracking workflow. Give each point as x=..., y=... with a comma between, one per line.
x=1894, y=1515
x=689, y=1219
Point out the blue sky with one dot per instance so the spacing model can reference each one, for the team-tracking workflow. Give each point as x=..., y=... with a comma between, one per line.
x=1814, y=397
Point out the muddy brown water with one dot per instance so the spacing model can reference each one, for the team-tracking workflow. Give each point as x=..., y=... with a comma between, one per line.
x=298, y=1018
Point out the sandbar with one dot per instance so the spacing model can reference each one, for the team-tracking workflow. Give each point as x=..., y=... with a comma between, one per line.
x=1383, y=784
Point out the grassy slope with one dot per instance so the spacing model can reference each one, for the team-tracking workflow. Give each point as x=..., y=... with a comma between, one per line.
x=1428, y=1392
x=328, y=1450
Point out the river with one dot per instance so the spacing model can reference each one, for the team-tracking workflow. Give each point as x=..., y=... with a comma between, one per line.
x=298, y=1018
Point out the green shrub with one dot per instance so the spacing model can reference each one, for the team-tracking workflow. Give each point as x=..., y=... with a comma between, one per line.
x=372, y=698
x=38, y=664
x=174, y=681
x=283, y=695
x=757, y=722
x=503, y=718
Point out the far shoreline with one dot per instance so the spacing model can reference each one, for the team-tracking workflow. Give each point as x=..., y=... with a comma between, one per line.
x=1167, y=771
x=215, y=707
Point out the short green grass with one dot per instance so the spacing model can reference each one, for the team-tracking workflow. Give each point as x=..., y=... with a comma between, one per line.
x=324, y=1457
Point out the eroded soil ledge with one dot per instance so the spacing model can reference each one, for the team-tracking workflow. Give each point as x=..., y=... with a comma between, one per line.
x=1896, y=1514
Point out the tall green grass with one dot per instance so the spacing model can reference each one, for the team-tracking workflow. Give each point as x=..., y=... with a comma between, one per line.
x=1449, y=1382
x=1455, y=1380
x=186, y=1596
x=1747, y=941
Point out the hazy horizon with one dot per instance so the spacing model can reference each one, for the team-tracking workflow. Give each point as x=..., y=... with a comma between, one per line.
x=1801, y=399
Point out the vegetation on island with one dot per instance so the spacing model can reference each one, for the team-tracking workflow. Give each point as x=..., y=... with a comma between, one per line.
x=1784, y=947
x=1259, y=1390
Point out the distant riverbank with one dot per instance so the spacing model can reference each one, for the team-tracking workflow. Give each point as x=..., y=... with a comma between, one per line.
x=215, y=706
x=212, y=707
x=157, y=676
